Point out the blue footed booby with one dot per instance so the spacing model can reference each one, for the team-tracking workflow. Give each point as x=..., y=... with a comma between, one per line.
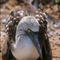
x=27, y=38
x=29, y=43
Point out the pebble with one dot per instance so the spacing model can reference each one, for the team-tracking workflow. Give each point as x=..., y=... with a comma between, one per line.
x=55, y=38
x=48, y=25
x=53, y=29
x=59, y=37
x=4, y=21
x=48, y=30
x=58, y=33
x=56, y=26
x=51, y=33
x=2, y=34
x=3, y=29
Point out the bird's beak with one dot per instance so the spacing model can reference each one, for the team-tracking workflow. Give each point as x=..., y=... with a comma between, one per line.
x=34, y=38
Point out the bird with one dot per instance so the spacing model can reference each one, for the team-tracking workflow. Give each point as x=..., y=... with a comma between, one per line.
x=27, y=38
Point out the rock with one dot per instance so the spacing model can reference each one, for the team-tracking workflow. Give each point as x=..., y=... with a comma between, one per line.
x=48, y=11
x=56, y=26
x=3, y=29
x=2, y=34
x=4, y=21
x=51, y=33
x=55, y=8
x=48, y=30
x=53, y=29
x=55, y=38
x=59, y=37
x=57, y=22
x=58, y=33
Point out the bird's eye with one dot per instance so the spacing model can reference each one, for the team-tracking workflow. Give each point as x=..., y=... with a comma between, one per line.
x=29, y=30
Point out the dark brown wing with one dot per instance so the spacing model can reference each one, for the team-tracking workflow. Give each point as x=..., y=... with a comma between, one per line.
x=11, y=30
x=47, y=54
x=45, y=45
x=13, y=21
x=6, y=52
x=42, y=35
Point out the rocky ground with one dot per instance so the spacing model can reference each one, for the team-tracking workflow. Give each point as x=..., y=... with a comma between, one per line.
x=53, y=30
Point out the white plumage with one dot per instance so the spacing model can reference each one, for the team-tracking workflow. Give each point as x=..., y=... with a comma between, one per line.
x=24, y=49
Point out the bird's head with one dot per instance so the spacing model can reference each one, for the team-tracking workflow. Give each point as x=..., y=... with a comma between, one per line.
x=28, y=22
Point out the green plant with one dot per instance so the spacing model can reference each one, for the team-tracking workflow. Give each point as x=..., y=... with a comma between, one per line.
x=56, y=1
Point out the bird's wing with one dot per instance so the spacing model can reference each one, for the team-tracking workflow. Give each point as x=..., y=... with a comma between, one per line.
x=13, y=21
x=45, y=45
x=6, y=52
x=43, y=38
x=46, y=49
x=47, y=54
